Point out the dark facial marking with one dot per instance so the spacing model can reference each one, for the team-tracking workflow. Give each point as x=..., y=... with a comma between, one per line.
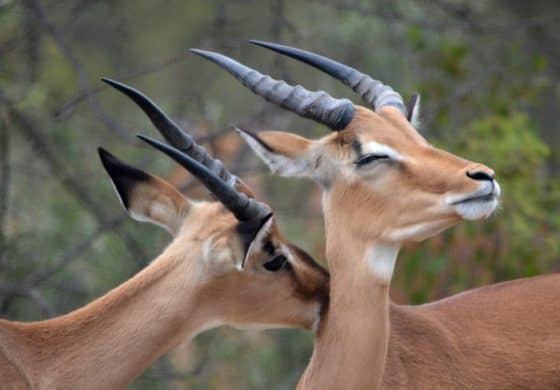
x=269, y=248
x=369, y=158
x=319, y=292
x=307, y=259
x=357, y=147
x=276, y=264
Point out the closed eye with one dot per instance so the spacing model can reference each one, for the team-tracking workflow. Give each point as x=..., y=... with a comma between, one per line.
x=369, y=158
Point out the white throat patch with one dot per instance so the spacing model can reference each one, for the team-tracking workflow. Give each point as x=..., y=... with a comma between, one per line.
x=381, y=259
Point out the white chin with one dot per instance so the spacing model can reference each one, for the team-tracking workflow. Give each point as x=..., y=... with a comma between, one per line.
x=476, y=209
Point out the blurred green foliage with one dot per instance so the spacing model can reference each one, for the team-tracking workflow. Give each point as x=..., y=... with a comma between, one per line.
x=488, y=73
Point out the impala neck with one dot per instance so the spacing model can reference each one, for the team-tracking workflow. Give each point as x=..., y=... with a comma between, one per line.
x=352, y=339
x=111, y=341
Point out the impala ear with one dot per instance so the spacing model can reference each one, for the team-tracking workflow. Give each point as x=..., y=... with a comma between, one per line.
x=145, y=197
x=285, y=153
x=413, y=110
x=254, y=236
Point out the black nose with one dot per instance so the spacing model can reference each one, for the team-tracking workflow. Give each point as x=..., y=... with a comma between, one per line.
x=479, y=175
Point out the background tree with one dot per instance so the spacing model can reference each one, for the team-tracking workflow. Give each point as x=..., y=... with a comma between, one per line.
x=488, y=72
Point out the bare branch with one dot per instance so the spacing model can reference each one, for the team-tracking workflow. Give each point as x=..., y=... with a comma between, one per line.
x=67, y=107
x=83, y=79
x=69, y=255
x=70, y=183
x=41, y=147
x=11, y=292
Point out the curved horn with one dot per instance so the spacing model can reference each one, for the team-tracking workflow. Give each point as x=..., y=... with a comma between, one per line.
x=243, y=207
x=373, y=92
x=173, y=133
x=319, y=106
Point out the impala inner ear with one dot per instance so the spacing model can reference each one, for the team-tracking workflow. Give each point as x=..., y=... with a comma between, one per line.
x=253, y=235
x=284, y=153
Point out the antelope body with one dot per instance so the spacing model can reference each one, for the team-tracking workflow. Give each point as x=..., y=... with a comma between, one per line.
x=384, y=184
x=502, y=336
x=227, y=265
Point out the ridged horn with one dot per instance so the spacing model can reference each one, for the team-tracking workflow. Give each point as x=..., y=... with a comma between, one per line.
x=319, y=106
x=374, y=92
x=243, y=207
x=172, y=133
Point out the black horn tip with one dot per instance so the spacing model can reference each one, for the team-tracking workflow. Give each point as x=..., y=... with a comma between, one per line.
x=120, y=86
x=200, y=52
x=153, y=142
x=265, y=44
x=209, y=55
x=219, y=59
x=183, y=159
x=258, y=42
x=324, y=64
x=111, y=82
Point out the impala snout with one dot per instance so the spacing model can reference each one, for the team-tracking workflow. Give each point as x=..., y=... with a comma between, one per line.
x=481, y=202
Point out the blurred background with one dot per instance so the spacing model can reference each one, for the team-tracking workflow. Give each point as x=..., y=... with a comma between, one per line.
x=488, y=72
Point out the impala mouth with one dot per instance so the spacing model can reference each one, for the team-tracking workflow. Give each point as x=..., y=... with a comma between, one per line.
x=479, y=204
x=477, y=198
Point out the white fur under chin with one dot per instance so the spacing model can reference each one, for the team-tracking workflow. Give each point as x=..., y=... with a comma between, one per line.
x=417, y=232
x=476, y=209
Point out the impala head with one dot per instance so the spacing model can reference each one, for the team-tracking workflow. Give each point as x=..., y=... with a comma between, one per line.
x=374, y=163
x=247, y=273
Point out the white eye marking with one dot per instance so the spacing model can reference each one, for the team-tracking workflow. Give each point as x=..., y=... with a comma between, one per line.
x=381, y=149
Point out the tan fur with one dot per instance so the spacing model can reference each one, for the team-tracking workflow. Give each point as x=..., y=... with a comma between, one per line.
x=499, y=337
x=192, y=286
x=349, y=346
x=503, y=336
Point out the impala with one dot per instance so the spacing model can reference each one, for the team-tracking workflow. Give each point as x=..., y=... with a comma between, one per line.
x=227, y=264
x=384, y=184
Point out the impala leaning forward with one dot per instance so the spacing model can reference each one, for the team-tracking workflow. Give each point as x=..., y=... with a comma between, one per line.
x=227, y=265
